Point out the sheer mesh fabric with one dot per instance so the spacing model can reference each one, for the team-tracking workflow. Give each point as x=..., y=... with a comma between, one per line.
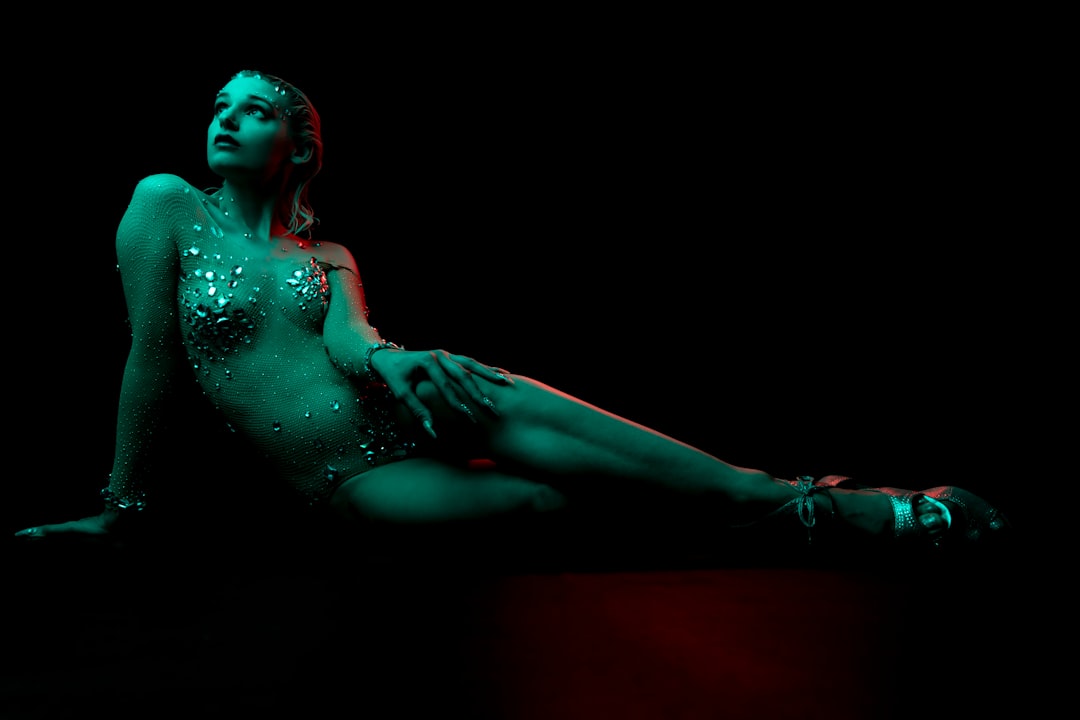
x=246, y=318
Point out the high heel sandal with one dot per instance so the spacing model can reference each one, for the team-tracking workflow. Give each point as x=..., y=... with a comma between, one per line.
x=970, y=519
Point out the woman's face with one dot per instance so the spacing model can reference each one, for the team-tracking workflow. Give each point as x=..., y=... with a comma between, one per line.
x=249, y=134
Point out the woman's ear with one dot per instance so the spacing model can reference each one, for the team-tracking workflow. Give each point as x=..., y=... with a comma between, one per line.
x=301, y=154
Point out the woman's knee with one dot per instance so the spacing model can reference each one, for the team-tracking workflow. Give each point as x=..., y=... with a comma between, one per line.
x=547, y=499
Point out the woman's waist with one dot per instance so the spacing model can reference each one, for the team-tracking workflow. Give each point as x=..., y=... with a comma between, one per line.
x=313, y=465
x=317, y=434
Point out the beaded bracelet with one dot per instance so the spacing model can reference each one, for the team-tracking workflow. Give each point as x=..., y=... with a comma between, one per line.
x=372, y=349
x=135, y=502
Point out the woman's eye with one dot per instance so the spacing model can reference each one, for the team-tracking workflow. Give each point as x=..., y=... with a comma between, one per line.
x=252, y=110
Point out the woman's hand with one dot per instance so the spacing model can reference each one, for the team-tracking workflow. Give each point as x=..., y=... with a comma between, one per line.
x=102, y=524
x=454, y=376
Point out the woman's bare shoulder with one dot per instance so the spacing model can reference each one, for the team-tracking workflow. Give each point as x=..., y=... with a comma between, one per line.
x=336, y=255
x=165, y=184
x=162, y=207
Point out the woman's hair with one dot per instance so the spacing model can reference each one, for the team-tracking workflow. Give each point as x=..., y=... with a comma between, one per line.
x=305, y=128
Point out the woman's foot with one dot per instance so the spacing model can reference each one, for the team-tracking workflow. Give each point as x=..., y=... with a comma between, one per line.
x=875, y=513
x=937, y=517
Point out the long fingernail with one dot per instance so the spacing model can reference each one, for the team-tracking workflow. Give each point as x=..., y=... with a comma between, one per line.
x=491, y=405
x=468, y=411
x=430, y=430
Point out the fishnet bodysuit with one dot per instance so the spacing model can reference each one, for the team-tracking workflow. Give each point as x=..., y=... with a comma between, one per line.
x=250, y=319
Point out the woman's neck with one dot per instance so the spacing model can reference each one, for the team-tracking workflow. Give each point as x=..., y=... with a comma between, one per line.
x=252, y=211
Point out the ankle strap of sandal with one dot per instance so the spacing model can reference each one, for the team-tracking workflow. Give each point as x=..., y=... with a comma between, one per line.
x=802, y=505
x=804, y=502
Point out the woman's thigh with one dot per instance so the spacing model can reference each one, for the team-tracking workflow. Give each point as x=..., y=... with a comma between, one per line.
x=424, y=490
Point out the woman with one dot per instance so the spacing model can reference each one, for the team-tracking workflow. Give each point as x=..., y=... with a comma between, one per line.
x=230, y=286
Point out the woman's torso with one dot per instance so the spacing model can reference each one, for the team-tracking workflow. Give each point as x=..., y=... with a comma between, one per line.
x=251, y=318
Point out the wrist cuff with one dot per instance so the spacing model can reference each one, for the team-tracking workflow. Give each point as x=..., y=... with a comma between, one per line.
x=129, y=502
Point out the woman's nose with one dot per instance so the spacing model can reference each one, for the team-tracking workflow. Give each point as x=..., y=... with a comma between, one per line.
x=227, y=119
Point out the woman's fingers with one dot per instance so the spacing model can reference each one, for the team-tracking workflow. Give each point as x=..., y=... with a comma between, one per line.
x=87, y=526
x=494, y=374
x=464, y=371
x=404, y=393
x=455, y=385
x=453, y=376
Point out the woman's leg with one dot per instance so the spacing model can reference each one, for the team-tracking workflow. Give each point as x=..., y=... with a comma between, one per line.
x=424, y=491
x=425, y=509
x=545, y=434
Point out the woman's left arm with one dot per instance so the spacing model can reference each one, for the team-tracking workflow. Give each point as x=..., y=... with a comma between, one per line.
x=357, y=348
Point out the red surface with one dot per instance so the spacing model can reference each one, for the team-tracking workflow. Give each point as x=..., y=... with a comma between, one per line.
x=229, y=640
x=732, y=643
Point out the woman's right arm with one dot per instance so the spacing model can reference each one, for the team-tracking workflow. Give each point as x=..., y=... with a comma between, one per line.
x=148, y=264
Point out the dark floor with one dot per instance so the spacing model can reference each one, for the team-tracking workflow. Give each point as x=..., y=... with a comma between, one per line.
x=265, y=629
